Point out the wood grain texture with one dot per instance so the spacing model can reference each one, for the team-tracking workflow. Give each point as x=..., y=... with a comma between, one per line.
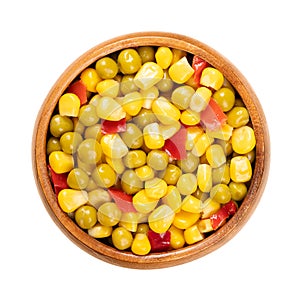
x=174, y=257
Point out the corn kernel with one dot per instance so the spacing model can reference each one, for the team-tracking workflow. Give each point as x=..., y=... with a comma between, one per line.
x=243, y=139
x=190, y=117
x=61, y=162
x=100, y=231
x=168, y=131
x=181, y=71
x=108, y=88
x=132, y=103
x=155, y=188
x=148, y=75
x=172, y=198
x=202, y=144
x=113, y=146
x=224, y=133
x=109, y=214
x=192, y=135
x=134, y=159
x=240, y=169
x=205, y=226
x=200, y=99
x=184, y=219
x=152, y=136
x=69, y=200
x=161, y=218
x=165, y=111
x=193, y=235
x=209, y=207
x=204, y=177
x=116, y=163
x=69, y=105
x=142, y=203
x=191, y=204
x=129, y=220
x=140, y=244
x=177, y=240
x=215, y=156
x=212, y=77
x=149, y=96
x=144, y=173
x=109, y=109
x=90, y=79
x=164, y=57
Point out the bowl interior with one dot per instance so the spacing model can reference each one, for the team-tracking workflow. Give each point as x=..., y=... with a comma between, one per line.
x=173, y=257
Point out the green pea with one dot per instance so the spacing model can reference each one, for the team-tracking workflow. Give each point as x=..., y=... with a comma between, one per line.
x=70, y=141
x=60, y=124
x=77, y=179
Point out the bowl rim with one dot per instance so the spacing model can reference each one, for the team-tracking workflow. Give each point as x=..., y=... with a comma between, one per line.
x=172, y=257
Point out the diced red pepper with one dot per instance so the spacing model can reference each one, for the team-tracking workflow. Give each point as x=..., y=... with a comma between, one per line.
x=79, y=89
x=198, y=65
x=175, y=146
x=159, y=241
x=213, y=116
x=59, y=181
x=122, y=200
x=219, y=218
x=109, y=127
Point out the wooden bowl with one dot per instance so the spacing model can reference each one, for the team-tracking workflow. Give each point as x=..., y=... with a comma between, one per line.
x=173, y=257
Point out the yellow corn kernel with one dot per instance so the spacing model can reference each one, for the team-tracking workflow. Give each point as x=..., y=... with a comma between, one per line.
x=113, y=146
x=148, y=75
x=116, y=163
x=168, y=131
x=69, y=200
x=165, y=111
x=191, y=204
x=108, y=88
x=152, y=136
x=109, y=109
x=184, y=219
x=161, y=218
x=204, y=177
x=172, y=198
x=171, y=174
x=155, y=188
x=177, y=240
x=109, y=214
x=193, y=235
x=212, y=77
x=164, y=57
x=221, y=174
x=202, y=144
x=205, y=226
x=240, y=169
x=192, y=135
x=181, y=71
x=135, y=158
x=140, y=244
x=61, y=162
x=224, y=133
x=100, y=231
x=144, y=173
x=190, y=117
x=209, y=207
x=129, y=220
x=200, y=99
x=243, y=139
x=177, y=55
x=132, y=103
x=90, y=79
x=69, y=105
x=104, y=176
x=142, y=203
x=215, y=156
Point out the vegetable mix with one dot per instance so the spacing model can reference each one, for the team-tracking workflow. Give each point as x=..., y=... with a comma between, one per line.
x=150, y=149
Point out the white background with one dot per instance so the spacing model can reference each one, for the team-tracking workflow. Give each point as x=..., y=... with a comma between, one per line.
x=39, y=39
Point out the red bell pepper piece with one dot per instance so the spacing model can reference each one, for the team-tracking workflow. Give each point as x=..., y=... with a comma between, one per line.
x=198, y=65
x=79, y=89
x=109, y=127
x=159, y=241
x=122, y=200
x=219, y=218
x=59, y=181
x=175, y=146
x=213, y=116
